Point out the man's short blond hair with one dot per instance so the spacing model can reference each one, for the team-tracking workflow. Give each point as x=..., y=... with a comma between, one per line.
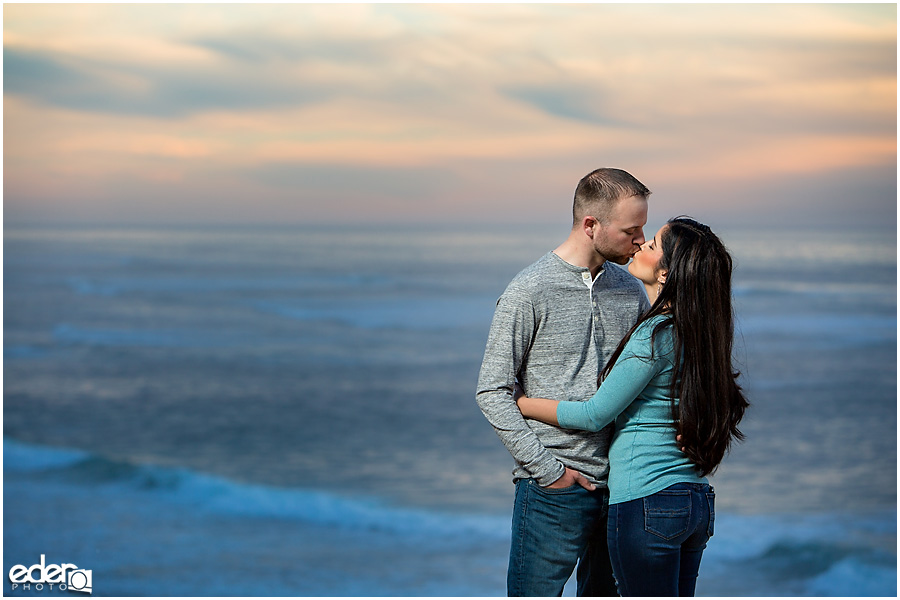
x=598, y=191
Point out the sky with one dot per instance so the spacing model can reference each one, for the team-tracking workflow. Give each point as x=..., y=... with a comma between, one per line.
x=769, y=114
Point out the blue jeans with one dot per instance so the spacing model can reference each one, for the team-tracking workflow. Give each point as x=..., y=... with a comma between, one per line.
x=552, y=530
x=655, y=543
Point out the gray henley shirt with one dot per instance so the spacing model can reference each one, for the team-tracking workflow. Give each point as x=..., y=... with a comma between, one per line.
x=553, y=330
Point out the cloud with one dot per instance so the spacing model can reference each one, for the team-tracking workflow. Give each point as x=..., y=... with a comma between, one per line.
x=843, y=197
x=577, y=103
x=493, y=107
x=87, y=85
x=830, y=58
x=341, y=182
x=260, y=47
x=243, y=72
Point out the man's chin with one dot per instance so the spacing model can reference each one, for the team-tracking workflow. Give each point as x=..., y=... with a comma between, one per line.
x=621, y=260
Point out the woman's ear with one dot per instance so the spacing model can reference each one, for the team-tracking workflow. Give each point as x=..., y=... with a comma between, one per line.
x=662, y=277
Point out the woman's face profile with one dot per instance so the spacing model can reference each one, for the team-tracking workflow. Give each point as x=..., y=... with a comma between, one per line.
x=645, y=265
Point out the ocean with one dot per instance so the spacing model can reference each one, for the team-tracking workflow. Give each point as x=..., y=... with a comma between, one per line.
x=289, y=411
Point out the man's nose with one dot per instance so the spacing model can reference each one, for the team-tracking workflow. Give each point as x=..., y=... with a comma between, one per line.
x=639, y=239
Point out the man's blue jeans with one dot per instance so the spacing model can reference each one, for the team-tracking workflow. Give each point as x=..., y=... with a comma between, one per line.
x=655, y=543
x=552, y=530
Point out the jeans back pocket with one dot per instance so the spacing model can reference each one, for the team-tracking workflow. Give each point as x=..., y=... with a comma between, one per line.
x=711, y=499
x=667, y=514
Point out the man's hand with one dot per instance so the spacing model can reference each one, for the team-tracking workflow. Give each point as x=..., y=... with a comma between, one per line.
x=571, y=477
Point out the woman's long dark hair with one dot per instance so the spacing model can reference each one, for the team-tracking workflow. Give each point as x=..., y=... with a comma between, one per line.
x=696, y=301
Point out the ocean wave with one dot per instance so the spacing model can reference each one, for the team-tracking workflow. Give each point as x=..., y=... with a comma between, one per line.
x=860, y=328
x=818, y=288
x=834, y=554
x=154, y=284
x=209, y=493
x=393, y=313
x=21, y=457
x=853, y=577
x=837, y=554
x=70, y=334
x=23, y=352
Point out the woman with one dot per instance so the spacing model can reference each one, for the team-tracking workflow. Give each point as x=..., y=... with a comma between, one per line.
x=661, y=510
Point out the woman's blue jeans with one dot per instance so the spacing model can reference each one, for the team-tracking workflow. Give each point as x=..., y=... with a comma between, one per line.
x=655, y=543
x=552, y=531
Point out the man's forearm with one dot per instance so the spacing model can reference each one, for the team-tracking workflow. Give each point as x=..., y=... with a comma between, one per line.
x=526, y=448
x=508, y=344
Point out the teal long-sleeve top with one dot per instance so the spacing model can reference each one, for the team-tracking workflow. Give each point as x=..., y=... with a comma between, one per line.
x=644, y=457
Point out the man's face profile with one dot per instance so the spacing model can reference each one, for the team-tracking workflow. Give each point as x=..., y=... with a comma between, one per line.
x=620, y=237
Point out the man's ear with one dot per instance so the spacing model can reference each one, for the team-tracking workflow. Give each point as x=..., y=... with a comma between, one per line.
x=587, y=225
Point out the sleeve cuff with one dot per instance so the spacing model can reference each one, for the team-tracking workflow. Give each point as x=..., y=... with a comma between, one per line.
x=548, y=478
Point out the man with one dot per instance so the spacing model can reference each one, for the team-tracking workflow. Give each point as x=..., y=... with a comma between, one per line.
x=554, y=328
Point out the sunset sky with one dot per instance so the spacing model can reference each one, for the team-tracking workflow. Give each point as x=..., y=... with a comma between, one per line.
x=771, y=114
